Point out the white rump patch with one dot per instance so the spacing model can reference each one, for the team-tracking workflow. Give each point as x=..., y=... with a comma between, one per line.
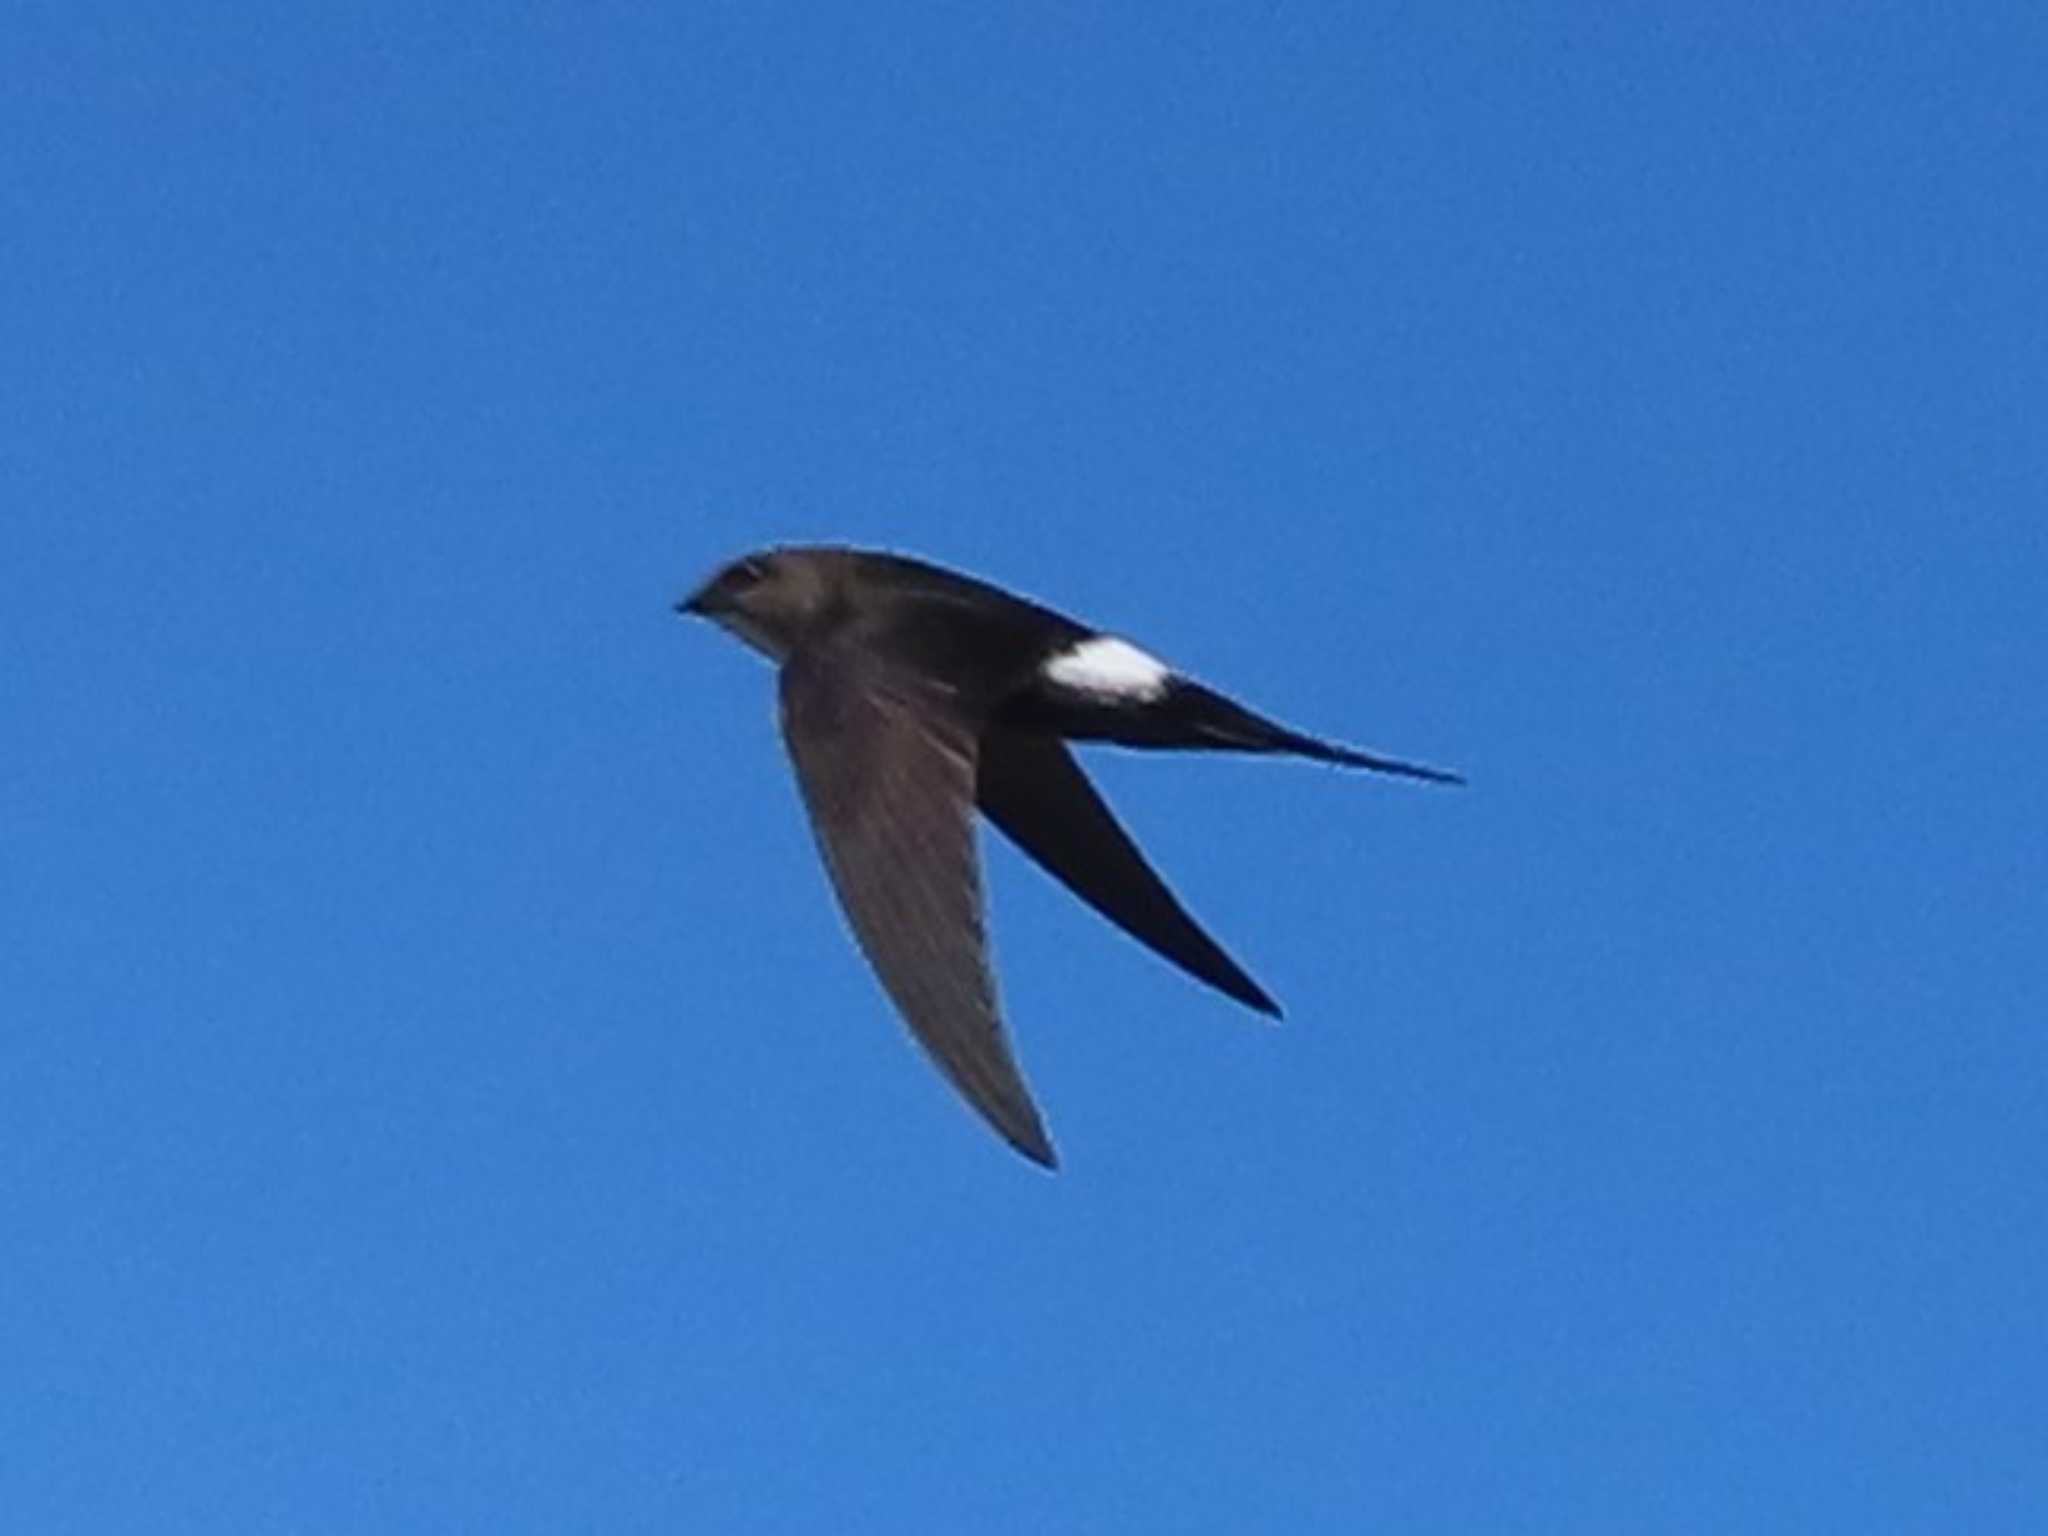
x=1109, y=668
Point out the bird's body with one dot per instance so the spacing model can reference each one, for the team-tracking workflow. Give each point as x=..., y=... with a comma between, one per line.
x=912, y=695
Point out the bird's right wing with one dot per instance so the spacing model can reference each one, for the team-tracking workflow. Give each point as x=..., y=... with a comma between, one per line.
x=886, y=763
x=1038, y=797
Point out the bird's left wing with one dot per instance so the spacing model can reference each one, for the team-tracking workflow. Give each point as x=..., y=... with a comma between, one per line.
x=886, y=762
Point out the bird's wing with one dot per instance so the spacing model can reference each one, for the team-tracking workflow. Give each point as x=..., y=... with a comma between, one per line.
x=1038, y=797
x=886, y=765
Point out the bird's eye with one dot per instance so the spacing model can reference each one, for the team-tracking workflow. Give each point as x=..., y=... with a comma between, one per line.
x=748, y=573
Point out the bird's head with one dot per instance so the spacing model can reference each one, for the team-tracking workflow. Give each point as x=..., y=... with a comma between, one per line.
x=770, y=599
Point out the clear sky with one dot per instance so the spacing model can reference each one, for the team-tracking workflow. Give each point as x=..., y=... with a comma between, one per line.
x=436, y=1090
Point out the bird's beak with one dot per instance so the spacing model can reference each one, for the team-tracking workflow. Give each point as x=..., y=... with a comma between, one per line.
x=694, y=604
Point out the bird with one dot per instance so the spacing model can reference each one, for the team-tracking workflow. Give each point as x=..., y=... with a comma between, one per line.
x=911, y=696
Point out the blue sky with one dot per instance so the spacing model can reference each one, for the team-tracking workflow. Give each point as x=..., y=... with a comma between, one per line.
x=436, y=1091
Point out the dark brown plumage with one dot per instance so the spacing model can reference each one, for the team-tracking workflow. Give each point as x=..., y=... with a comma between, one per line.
x=911, y=695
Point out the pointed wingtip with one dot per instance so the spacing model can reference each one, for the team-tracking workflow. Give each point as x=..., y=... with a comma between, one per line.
x=1018, y=1122
x=1240, y=988
x=1037, y=1150
x=1397, y=767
